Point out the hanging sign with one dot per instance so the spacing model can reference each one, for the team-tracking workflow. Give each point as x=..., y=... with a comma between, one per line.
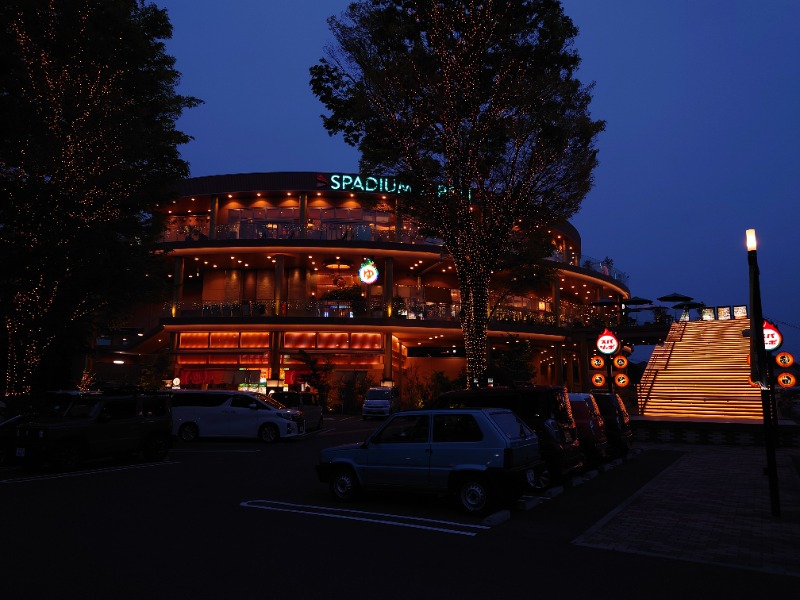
x=598, y=380
x=786, y=380
x=597, y=362
x=368, y=273
x=772, y=337
x=607, y=343
x=621, y=379
x=784, y=359
x=620, y=362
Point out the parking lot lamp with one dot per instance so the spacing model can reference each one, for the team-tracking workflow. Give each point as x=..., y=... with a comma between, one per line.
x=759, y=372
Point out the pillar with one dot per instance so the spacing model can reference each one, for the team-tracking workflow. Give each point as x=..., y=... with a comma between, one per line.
x=212, y=225
x=177, y=286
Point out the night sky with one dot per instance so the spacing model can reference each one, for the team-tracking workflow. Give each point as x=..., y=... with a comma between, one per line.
x=700, y=99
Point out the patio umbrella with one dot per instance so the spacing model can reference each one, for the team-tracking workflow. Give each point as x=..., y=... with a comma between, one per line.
x=689, y=305
x=675, y=297
x=636, y=301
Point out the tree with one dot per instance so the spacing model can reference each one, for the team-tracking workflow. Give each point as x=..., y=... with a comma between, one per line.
x=475, y=104
x=89, y=146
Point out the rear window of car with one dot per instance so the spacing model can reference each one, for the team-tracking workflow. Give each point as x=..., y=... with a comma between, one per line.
x=510, y=424
x=198, y=399
x=379, y=394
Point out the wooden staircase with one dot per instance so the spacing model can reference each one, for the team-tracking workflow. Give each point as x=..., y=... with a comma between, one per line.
x=701, y=371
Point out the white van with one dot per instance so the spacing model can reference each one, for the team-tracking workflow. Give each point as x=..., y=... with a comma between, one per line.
x=380, y=402
x=229, y=413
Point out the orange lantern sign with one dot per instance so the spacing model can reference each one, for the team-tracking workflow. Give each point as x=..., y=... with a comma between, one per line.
x=784, y=359
x=620, y=362
x=598, y=380
x=786, y=380
x=597, y=362
x=621, y=379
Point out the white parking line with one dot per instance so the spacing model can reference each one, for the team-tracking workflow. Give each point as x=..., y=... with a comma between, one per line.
x=369, y=517
x=86, y=472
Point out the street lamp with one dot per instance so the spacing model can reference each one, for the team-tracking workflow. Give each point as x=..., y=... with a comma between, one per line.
x=759, y=372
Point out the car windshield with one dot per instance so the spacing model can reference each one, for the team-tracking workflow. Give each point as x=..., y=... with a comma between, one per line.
x=269, y=400
x=511, y=425
x=82, y=408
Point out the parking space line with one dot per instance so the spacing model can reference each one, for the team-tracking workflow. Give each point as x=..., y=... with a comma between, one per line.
x=369, y=517
x=85, y=472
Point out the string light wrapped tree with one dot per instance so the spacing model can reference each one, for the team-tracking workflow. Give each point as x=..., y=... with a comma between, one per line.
x=89, y=146
x=475, y=103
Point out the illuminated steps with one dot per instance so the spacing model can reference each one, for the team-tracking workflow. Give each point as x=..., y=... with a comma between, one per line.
x=701, y=371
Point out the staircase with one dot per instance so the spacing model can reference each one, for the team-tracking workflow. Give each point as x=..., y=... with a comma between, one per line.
x=701, y=371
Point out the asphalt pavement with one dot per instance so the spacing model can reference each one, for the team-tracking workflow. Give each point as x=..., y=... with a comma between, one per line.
x=713, y=505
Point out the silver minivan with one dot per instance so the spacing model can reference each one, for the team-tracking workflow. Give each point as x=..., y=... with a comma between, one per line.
x=230, y=413
x=380, y=402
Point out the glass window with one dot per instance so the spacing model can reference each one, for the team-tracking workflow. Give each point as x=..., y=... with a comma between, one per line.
x=511, y=425
x=456, y=428
x=405, y=428
x=119, y=409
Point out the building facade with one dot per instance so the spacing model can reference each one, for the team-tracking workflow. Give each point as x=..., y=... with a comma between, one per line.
x=266, y=268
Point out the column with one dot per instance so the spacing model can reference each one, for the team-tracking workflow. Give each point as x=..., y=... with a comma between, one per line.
x=387, y=356
x=280, y=280
x=388, y=286
x=177, y=286
x=303, y=215
x=275, y=354
x=212, y=226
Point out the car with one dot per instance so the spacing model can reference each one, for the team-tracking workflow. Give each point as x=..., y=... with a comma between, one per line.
x=306, y=402
x=545, y=409
x=618, y=423
x=97, y=425
x=380, y=402
x=480, y=456
x=591, y=428
x=233, y=414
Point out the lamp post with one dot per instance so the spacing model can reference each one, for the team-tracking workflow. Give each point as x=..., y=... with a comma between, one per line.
x=759, y=370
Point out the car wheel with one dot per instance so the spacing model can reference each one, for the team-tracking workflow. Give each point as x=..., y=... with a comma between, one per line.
x=268, y=433
x=67, y=456
x=541, y=479
x=188, y=432
x=474, y=495
x=156, y=448
x=343, y=485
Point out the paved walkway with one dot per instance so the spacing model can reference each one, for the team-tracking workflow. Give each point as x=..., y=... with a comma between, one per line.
x=713, y=506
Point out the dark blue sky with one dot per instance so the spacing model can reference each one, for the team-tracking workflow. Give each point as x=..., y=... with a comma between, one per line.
x=700, y=99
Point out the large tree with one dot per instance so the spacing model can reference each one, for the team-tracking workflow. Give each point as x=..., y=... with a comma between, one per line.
x=476, y=103
x=88, y=147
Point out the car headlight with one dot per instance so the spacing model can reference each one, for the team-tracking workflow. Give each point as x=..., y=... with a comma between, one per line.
x=286, y=416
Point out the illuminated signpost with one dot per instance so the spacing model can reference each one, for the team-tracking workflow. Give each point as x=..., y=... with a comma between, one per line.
x=608, y=344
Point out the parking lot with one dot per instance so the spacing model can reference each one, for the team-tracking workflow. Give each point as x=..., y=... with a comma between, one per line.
x=248, y=519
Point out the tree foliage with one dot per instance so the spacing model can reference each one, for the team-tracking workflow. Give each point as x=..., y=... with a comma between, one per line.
x=89, y=146
x=476, y=104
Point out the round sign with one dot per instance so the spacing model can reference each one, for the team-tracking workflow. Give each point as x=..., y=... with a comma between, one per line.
x=620, y=362
x=607, y=343
x=597, y=362
x=368, y=273
x=784, y=359
x=176, y=382
x=772, y=337
x=598, y=380
x=621, y=379
x=786, y=380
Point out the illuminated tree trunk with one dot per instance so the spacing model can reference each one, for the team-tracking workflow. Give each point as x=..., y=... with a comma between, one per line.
x=474, y=283
x=26, y=340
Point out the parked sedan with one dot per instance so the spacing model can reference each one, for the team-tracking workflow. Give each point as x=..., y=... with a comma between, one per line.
x=591, y=428
x=478, y=455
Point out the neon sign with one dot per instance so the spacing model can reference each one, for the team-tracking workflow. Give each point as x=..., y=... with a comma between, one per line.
x=368, y=273
x=367, y=183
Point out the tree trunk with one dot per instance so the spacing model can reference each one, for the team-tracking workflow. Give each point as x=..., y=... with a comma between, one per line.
x=474, y=321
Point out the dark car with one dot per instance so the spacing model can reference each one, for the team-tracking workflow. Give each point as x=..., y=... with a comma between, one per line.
x=306, y=402
x=618, y=423
x=95, y=425
x=545, y=409
x=591, y=428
